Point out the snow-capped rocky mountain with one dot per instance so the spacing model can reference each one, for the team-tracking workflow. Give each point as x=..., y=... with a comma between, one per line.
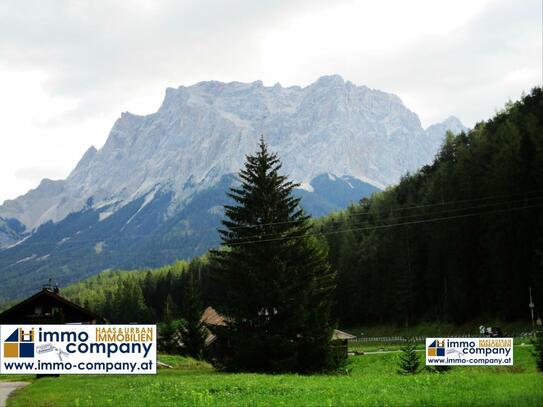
x=144, y=183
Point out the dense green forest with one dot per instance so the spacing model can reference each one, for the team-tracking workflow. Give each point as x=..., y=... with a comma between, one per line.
x=140, y=295
x=460, y=239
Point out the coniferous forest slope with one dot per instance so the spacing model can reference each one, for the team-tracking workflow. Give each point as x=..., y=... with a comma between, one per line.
x=460, y=239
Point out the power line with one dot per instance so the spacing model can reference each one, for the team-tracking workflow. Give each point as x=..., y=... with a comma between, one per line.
x=387, y=226
x=407, y=216
x=402, y=208
x=331, y=221
x=374, y=227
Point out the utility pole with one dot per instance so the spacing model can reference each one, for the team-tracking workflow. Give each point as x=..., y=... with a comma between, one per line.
x=531, y=305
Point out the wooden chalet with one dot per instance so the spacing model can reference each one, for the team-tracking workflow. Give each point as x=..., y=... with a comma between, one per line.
x=48, y=307
x=211, y=318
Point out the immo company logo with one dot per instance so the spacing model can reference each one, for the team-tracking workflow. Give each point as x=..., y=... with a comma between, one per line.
x=469, y=351
x=436, y=348
x=20, y=344
x=77, y=349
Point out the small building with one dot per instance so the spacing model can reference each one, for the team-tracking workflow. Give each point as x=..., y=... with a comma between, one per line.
x=340, y=342
x=48, y=307
x=211, y=318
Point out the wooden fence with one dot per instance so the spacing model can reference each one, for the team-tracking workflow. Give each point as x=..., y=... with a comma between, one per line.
x=423, y=338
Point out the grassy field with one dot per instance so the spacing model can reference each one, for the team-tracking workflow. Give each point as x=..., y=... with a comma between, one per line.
x=372, y=380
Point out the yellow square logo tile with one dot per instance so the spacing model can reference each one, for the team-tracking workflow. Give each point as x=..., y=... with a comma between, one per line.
x=431, y=351
x=11, y=350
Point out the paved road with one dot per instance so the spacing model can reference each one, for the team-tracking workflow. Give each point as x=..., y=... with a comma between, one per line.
x=6, y=388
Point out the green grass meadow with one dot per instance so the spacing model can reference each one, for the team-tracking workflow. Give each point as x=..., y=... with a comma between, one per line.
x=371, y=380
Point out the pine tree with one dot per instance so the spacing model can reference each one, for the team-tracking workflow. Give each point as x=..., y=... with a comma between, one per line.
x=276, y=277
x=169, y=334
x=409, y=361
x=129, y=304
x=194, y=333
x=167, y=314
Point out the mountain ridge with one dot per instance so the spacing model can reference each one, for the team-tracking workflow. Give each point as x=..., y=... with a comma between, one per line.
x=158, y=164
x=92, y=170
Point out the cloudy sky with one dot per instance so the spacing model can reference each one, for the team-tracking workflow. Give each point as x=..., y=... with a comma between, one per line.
x=69, y=68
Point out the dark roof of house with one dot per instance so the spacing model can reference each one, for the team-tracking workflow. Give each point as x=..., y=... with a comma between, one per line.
x=342, y=335
x=55, y=297
x=212, y=317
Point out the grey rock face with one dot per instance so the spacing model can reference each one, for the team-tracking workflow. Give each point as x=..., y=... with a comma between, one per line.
x=202, y=132
x=437, y=131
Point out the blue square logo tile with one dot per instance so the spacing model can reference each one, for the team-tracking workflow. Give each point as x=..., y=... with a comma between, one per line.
x=440, y=351
x=26, y=350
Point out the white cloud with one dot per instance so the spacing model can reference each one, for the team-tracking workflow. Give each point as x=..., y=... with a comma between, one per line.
x=68, y=68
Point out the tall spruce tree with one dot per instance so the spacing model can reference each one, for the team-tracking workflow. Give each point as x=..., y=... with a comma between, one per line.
x=277, y=281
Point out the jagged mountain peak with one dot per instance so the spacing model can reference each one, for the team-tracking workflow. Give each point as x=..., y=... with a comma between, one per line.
x=451, y=123
x=203, y=131
x=87, y=157
x=452, y=120
x=454, y=124
x=330, y=80
x=154, y=192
